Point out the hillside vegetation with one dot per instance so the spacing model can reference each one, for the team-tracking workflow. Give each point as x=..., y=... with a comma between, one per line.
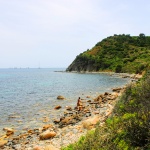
x=118, y=53
x=129, y=126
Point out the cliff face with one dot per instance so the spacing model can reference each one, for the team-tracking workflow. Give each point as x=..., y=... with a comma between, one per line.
x=119, y=53
x=81, y=65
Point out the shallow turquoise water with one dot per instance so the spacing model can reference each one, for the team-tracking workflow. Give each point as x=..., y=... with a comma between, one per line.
x=29, y=95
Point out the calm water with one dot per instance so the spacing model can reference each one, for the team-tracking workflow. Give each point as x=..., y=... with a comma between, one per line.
x=27, y=96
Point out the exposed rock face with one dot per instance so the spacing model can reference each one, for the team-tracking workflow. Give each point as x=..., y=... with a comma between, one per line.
x=60, y=97
x=81, y=65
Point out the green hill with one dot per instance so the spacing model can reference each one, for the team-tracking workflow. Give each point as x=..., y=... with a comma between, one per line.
x=118, y=53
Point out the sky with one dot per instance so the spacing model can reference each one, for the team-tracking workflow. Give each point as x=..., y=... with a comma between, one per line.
x=51, y=33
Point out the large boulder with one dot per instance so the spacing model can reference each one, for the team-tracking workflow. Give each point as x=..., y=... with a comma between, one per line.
x=47, y=135
x=60, y=97
x=91, y=122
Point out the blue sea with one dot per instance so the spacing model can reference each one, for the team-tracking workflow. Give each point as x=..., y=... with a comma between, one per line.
x=28, y=96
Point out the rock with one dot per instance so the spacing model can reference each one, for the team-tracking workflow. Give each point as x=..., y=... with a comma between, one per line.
x=88, y=97
x=96, y=112
x=57, y=107
x=106, y=93
x=37, y=148
x=47, y=135
x=68, y=108
x=3, y=142
x=98, y=99
x=56, y=121
x=91, y=122
x=60, y=97
x=31, y=131
x=67, y=120
x=89, y=101
x=47, y=126
x=116, y=89
x=9, y=131
x=50, y=147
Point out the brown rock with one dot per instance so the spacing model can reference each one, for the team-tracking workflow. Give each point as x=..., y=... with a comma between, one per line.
x=31, y=131
x=88, y=100
x=116, y=89
x=50, y=147
x=47, y=134
x=98, y=99
x=67, y=120
x=89, y=123
x=60, y=97
x=3, y=142
x=47, y=126
x=9, y=131
x=68, y=108
x=57, y=107
x=106, y=93
x=56, y=121
x=96, y=112
x=37, y=148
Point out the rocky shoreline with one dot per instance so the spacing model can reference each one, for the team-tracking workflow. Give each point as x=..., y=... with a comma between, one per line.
x=66, y=129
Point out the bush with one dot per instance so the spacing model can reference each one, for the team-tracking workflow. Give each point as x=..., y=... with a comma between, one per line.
x=128, y=128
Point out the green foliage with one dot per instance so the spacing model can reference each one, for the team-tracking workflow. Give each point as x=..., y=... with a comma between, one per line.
x=118, y=53
x=128, y=127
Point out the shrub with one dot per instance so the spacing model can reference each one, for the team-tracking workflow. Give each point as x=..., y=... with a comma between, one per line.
x=128, y=128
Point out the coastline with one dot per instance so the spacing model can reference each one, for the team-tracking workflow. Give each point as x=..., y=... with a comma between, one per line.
x=78, y=125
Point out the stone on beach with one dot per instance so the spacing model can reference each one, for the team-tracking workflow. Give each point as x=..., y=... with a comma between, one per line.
x=91, y=122
x=47, y=126
x=9, y=131
x=117, y=89
x=60, y=97
x=56, y=121
x=50, y=147
x=37, y=148
x=47, y=135
x=3, y=142
x=68, y=108
x=57, y=107
x=67, y=120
